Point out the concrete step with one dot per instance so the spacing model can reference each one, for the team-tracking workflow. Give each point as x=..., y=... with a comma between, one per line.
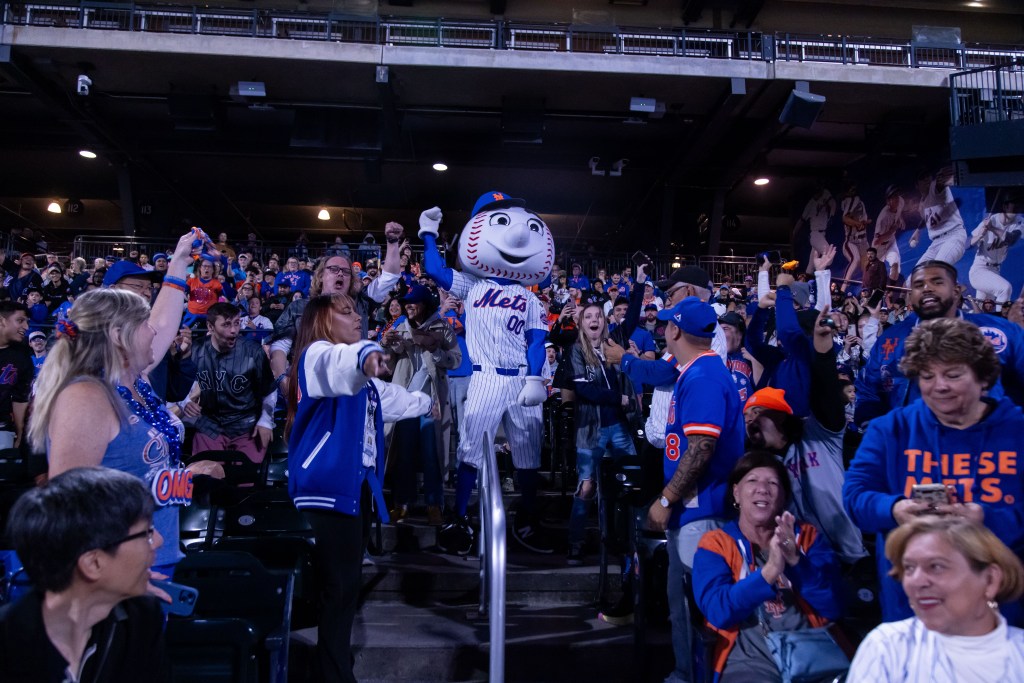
x=402, y=643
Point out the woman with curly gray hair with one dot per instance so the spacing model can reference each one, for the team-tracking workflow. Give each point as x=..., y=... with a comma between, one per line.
x=956, y=436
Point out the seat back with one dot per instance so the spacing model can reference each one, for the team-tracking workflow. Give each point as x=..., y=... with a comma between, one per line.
x=212, y=650
x=265, y=513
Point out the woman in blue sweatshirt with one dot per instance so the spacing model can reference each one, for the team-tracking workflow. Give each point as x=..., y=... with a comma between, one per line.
x=954, y=435
x=336, y=414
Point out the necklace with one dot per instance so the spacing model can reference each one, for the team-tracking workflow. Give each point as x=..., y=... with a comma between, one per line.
x=154, y=415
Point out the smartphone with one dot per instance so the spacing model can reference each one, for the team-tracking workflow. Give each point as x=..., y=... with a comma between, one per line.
x=183, y=598
x=876, y=298
x=641, y=259
x=774, y=257
x=933, y=494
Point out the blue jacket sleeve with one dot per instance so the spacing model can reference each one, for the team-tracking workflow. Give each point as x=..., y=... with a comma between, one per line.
x=815, y=577
x=654, y=373
x=632, y=319
x=535, y=354
x=723, y=601
x=869, y=404
x=755, y=344
x=865, y=494
x=794, y=341
x=434, y=266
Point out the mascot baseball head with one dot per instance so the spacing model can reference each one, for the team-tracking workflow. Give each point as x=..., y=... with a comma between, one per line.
x=505, y=239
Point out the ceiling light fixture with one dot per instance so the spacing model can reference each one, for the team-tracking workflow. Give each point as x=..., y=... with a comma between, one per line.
x=53, y=207
x=677, y=264
x=87, y=154
x=324, y=215
x=975, y=3
x=761, y=181
x=440, y=167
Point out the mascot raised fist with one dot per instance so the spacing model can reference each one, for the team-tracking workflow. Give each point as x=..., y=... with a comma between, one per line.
x=503, y=248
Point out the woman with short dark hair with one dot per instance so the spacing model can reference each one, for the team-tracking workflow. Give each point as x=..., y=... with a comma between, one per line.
x=763, y=572
x=87, y=541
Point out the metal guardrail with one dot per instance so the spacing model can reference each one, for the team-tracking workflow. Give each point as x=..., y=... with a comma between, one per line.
x=505, y=35
x=492, y=559
x=987, y=95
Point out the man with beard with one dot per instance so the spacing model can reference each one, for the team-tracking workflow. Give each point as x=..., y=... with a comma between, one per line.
x=16, y=372
x=934, y=293
x=235, y=406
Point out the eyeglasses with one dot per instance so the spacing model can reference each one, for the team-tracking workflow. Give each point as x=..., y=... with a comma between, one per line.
x=670, y=294
x=145, y=533
x=338, y=270
x=137, y=287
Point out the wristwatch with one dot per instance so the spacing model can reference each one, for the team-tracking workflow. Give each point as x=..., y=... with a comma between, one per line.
x=664, y=502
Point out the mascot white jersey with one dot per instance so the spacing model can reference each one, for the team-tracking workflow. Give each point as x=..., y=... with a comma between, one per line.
x=503, y=248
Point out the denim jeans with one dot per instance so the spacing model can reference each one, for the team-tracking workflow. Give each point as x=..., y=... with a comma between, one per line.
x=614, y=439
x=682, y=546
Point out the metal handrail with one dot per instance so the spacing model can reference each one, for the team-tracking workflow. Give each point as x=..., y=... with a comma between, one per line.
x=504, y=35
x=492, y=559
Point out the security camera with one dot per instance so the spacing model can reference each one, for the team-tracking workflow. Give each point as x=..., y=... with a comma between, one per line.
x=84, y=83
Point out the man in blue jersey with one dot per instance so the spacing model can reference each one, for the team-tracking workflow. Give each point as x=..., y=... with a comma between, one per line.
x=934, y=293
x=703, y=440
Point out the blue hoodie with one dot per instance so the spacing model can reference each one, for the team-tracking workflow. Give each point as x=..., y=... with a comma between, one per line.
x=787, y=366
x=910, y=446
x=883, y=387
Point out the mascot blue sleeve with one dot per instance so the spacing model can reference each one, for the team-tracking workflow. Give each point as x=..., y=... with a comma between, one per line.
x=535, y=353
x=433, y=263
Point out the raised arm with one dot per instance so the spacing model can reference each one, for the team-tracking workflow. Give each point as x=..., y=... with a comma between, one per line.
x=433, y=263
x=165, y=317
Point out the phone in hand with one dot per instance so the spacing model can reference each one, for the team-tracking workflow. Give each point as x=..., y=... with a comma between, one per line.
x=876, y=298
x=932, y=494
x=641, y=259
x=183, y=598
x=774, y=257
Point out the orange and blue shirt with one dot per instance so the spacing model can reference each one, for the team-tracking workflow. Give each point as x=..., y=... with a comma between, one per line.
x=704, y=403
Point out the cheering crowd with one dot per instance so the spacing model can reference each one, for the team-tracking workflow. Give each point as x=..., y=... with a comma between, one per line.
x=804, y=434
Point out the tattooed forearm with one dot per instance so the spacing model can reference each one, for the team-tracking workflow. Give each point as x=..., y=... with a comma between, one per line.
x=694, y=461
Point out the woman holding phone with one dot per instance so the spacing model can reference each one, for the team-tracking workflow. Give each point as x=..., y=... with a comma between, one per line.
x=955, y=434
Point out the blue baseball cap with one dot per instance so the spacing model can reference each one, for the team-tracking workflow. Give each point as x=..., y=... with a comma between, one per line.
x=160, y=255
x=123, y=269
x=495, y=200
x=692, y=316
x=417, y=294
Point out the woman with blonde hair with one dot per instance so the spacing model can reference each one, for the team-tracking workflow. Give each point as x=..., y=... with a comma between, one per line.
x=94, y=406
x=955, y=573
x=602, y=396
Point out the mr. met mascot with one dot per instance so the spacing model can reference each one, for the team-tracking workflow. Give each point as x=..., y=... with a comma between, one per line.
x=504, y=248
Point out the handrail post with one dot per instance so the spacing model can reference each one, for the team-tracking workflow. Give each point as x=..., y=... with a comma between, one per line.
x=492, y=559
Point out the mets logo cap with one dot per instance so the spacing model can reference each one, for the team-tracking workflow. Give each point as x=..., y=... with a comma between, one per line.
x=495, y=200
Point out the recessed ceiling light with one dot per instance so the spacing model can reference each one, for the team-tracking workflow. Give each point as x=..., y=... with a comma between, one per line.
x=53, y=207
x=440, y=167
x=88, y=154
x=975, y=3
x=324, y=215
x=761, y=181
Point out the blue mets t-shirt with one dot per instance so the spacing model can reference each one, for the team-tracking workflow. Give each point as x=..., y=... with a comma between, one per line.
x=704, y=402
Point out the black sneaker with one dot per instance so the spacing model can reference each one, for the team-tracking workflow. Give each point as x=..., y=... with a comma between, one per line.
x=532, y=537
x=575, y=556
x=456, y=537
x=619, y=614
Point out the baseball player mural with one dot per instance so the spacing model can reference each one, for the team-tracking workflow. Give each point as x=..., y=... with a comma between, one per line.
x=994, y=236
x=503, y=247
x=940, y=215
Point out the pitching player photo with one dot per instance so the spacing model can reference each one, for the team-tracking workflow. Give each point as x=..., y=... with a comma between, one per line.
x=888, y=225
x=940, y=215
x=993, y=237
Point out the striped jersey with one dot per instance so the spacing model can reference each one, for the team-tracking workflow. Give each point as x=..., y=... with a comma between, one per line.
x=498, y=315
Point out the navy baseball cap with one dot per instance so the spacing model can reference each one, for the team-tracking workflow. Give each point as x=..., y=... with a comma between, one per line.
x=495, y=200
x=417, y=294
x=160, y=255
x=692, y=316
x=123, y=269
